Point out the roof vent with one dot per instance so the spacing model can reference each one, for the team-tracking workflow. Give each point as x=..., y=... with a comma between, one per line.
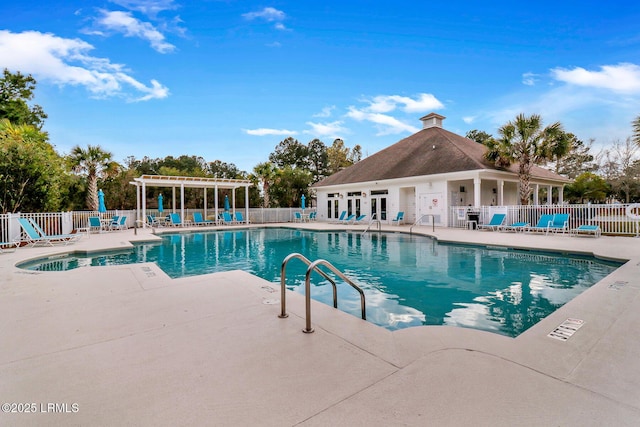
x=432, y=120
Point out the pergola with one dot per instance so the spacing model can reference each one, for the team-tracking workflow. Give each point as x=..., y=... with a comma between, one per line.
x=183, y=182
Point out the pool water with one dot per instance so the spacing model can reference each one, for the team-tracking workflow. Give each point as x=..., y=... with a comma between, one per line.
x=408, y=280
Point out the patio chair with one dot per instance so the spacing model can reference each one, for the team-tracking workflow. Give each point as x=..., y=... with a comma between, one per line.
x=297, y=217
x=494, y=224
x=175, y=220
x=515, y=227
x=153, y=221
x=95, y=224
x=120, y=224
x=198, y=220
x=560, y=223
x=114, y=222
x=543, y=223
x=399, y=219
x=313, y=215
x=593, y=230
x=54, y=237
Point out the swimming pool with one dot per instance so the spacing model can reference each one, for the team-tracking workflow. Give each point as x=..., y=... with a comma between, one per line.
x=408, y=280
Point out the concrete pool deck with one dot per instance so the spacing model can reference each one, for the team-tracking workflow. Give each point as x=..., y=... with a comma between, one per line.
x=128, y=345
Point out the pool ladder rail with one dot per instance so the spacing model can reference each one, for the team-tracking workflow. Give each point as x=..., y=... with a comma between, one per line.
x=314, y=266
x=419, y=221
x=374, y=220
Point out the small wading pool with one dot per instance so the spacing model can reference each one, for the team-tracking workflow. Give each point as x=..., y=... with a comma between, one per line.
x=408, y=280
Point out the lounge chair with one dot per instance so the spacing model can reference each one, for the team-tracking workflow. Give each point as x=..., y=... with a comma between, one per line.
x=399, y=219
x=175, y=220
x=543, y=224
x=240, y=218
x=54, y=237
x=198, y=220
x=560, y=223
x=32, y=237
x=7, y=246
x=516, y=226
x=359, y=219
x=348, y=219
x=494, y=224
x=114, y=222
x=95, y=224
x=584, y=229
x=341, y=218
x=227, y=219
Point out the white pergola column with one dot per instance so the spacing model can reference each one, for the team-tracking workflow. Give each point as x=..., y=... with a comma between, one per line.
x=182, y=202
x=549, y=195
x=246, y=204
x=477, y=192
x=215, y=196
x=144, y=201
x=205, y=203
x=138, y=204
x=233, y=198
x=173, y=199
x=561, y=194
x=536, y=188
x=500, y=201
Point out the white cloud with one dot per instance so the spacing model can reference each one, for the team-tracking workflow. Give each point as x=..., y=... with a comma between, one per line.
x=125, y=23
x=266, y=131
x=66, y=62
x=326, y=111
x=387, y=124
x=622, y=78
x=423, y=103
x=147, y=7
x=333, y=129
x=529, y=79
x=268, y=14
x=468, y=119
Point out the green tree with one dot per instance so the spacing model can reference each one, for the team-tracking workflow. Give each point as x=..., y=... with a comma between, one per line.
x=526, y=142
x=340, y=156
x=577, y=160
x=265, y=172
x=289, y=185
x=290, y=152
x=636, y=130
x=318, y=159
x=619, y=166
x=15, y=92
x=480, y=136
x=94, y=163
x=587, y=187
x=30, y=170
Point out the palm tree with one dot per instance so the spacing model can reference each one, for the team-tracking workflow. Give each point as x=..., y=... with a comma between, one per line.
x=636, y=130
x=525, y=141
x=95, y=163
x=265, y=172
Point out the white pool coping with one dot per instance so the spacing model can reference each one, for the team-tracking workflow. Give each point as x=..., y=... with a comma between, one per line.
x=130, y=346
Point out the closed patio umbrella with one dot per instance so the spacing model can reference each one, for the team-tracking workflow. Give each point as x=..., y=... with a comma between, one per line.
x=160, y=207
x=302, y=200
x=226, y=203
x=102, y=208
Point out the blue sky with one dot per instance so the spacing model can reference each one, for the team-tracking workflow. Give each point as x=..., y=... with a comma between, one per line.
x=228, y=80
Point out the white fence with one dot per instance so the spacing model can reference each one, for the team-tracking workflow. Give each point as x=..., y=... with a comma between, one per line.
x=613, y=219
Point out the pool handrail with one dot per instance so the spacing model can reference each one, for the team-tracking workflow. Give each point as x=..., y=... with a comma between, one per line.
x=419, y=220
x=283, y=288
x=307, y=290
x=314, y=266
x=373, y=220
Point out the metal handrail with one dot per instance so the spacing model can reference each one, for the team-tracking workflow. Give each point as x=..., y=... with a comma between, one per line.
x=307, y=289
x=433, y=222
x=373, y=219
x=283, y=288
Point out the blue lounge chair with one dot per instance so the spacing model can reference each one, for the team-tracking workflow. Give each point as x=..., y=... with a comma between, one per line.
x=584, y=229
x=359, y=219
x=348, y=219
x=7, y=246
x=343, y=214
x=560, y=223
x=32, y=237
x=399, y=219
x=494, y=224
x=114, y=222
x=198, y=220
x=543, y=223
x=68, y=238
x=120, y=224
x=516, y=226
x=227, y=219
x=175, y=220
x=240, y=218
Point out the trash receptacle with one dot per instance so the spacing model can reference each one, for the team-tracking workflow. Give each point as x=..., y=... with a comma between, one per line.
x=472, y=220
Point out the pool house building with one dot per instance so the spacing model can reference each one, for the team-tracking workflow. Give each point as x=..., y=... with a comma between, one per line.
x=429, y=174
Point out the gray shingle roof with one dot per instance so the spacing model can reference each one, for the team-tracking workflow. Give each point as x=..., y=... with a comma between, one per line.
x=428, y=152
